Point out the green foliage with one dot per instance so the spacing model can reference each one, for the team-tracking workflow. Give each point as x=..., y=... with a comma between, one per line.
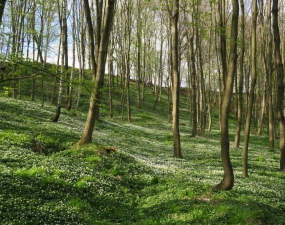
x=261, y=159
x=7, y=91
x=140, y=183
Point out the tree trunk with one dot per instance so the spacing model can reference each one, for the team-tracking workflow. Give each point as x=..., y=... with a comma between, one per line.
x=240, y=81
x=63, y=55
x=2, y=7
x=252, y=87
x=33, y=78
x=209, y=77
x=228, y=180
x=56, y=71
x=127, y=56
x=158, y=71
x=193, y=82
x=269, y=79
x=223, y=43
x=69, y=97
x=111, y=79
x=95, y=99
x=174, y=15
x=139, y=40
x=168, y=79
x=91, y=39
x=82, y=55
x=202, y=93
x=280, y=84
x=262, y=113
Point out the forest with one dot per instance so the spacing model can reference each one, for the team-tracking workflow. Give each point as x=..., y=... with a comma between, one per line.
x=142, y=112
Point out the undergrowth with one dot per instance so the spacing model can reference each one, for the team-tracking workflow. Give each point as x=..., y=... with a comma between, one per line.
x=44, y=181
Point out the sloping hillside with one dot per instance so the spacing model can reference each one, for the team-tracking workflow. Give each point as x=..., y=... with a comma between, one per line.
x=43, y=181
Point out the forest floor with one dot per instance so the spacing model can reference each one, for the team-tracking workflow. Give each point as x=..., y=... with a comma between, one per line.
x=43, y=181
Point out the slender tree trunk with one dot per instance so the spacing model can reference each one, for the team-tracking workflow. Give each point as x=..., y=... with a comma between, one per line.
x=56, y=71
x=99, y=16
x=262, y=113
x=91, y=39
x=223, y=45
x=168, y=80
x=95, y=99
x=15, y=23
x=169, y=102
x=228, y=180
x=240, y=80
x=280, y=83
x=209, y=77
x=252, y=87
x=193, y=86
x=202, y=93
x=68, y=84
x=34, y=50
x=189, y=96
x=69, y=97
x=218, y=21
x=63, y=61
x=139, y=39
x=82, y=52
x=110, y=81
x=144, y=69
x=202, y=99
x=223, y=38
x=174, y=15
x=111, y=78
x=2, y=7
x=127, y=56
x=29, y=38
x=269, y=78
x=123, y=101
x=123, y=89
x=158, y=73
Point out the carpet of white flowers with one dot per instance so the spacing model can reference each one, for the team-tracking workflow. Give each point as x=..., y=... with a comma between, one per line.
x=44, y=181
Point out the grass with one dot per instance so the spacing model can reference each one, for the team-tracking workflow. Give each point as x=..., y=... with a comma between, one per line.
x=44, y=181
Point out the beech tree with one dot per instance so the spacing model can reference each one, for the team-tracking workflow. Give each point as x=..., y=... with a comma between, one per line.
x=173, y=10
x=69, y=97
x=98, y=72
x=139, y=48
x=127, y=8
x=228, y=180
x=64, y=59
x=269, y=74
x=280, y=83
x=192, y=66
x=251, y=97
x=240, y=80
x=80, y=37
